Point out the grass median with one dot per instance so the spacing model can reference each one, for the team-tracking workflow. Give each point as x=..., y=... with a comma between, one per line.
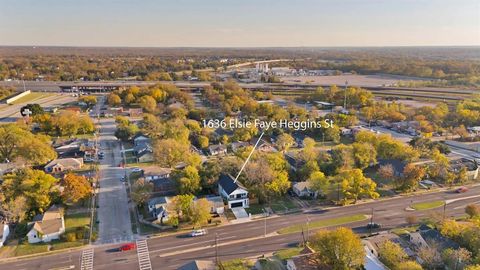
x=427, y=205
x=323, y=223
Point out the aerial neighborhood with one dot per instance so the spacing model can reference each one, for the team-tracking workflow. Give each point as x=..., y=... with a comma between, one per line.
x=239, y=158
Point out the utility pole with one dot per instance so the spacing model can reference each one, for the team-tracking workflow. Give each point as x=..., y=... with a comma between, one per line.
x=371, y=223
x=338, y=192
x=216, y=249
x=265, y=224
x=444, y=209
x=345, y=99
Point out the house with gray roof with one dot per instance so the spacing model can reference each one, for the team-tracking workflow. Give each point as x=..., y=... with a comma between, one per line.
x=233, y=192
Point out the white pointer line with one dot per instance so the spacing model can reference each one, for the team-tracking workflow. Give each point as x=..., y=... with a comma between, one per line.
x=248, y=158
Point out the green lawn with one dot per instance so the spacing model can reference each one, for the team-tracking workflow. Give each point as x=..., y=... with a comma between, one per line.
x=255, y=209
x=57, y=245
x=427, y=205
x=285, y=254
x=31, y=97
x=27, y=249
x=323, y=223
x=236, y=264
x=282, y=204
x=73, y=221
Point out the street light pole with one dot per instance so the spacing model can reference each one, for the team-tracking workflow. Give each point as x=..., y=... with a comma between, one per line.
x=308, y=223
x=265, y=225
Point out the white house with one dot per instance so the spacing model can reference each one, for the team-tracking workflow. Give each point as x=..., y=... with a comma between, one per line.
x=217, y=149
x=234, y=192
x=47, y=227
x=303, y=189
x=157, y=207
x=4, y=232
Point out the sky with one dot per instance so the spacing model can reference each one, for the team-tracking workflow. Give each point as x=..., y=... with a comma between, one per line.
x=240, y=23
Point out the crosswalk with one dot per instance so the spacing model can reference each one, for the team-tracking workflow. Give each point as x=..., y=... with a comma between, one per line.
x=87, y=259
x=143, y=255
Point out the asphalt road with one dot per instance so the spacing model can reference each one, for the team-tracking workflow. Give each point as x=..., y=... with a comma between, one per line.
x=10, y=113
x=247, y=239
x=113, y=214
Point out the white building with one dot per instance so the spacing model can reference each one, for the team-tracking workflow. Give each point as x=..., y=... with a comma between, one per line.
x=47, y=227
x=234, y=192
x=4, y=232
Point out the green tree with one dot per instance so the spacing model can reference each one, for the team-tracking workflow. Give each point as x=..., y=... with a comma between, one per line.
x=340, y=249
x=89, y=100
x=148, y=103
x=412, y=174
x=36, y=109
x=456, y=258
x=200, y=212
x=169, y=152
x=17, y=143
x=364, y=155
x=187, y=180
x=36, y=186
x=391, y=254
x=284, y=142
x=203, y=141
x=355, y=185
x=408, y=265
x=141, y=191
x=318, y=181
x=114, y=99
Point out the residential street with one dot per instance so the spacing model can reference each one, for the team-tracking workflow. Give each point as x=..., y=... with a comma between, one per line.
x=246, y=239
x=113, y=214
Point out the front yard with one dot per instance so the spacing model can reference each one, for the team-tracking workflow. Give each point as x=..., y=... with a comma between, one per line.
x=76, y=226
x=282, y=205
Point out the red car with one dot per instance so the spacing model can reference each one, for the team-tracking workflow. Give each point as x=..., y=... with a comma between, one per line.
x=127, y=247
x=461, y=190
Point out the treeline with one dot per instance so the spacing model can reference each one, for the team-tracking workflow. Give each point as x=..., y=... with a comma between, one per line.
x=74, y=67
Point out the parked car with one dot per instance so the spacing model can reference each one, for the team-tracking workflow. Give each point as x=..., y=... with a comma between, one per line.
x=373, y=225
x=137, y=170
x=127, y=247
x=200, y=232
x=461, y=190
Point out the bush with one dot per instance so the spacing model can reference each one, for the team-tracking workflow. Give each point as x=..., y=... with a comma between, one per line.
x=79, y=234
x=70, y=237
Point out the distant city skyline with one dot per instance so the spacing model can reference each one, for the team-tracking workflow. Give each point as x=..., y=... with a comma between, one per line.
x=247, y=23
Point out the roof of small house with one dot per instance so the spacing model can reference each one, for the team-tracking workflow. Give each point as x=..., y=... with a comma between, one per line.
x=51, y=221
x=65, y=162
x=158, y=201
x=217, y=147
x=228, y=183
x=199, y=265
x=305, y=185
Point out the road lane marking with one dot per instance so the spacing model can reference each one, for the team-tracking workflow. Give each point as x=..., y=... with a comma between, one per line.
x=63, y=268
x=87, y=259
x=191, y=244
x=143, y=255
x=461, y=199
x=465, y=205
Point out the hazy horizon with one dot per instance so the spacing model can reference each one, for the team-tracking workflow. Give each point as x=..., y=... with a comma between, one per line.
x=245, y=24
